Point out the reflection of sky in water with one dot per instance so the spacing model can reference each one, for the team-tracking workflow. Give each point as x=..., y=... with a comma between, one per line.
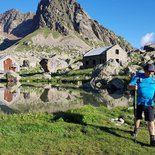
x=25, y=99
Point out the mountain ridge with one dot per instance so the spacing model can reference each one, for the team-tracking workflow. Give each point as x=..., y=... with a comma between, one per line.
x=68, y=15
x=13, y=22
x=60, y=28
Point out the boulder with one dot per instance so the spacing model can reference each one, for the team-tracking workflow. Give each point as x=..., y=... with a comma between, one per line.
x=12, y=76
x=53, y=64
x=104, y=73
x=110, y=68
x=115, y=85
x=26, y=63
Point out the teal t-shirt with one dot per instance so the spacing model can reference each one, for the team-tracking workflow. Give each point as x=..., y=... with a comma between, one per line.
x=146, y=89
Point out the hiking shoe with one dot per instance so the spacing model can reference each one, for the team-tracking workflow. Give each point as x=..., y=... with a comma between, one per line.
x=135, y=132
x=152, y=143
x=152, y=140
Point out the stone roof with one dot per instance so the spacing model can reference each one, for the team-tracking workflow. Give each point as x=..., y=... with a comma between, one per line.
x=97, y=51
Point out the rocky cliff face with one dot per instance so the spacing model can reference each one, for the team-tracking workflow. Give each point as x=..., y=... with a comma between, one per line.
x=16, y=23
x=66, y=16
x=60, y=30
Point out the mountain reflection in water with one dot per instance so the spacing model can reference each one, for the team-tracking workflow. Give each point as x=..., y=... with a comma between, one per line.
x=26, y=99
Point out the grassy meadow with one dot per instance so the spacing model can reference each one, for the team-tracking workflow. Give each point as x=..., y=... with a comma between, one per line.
x=84, y=131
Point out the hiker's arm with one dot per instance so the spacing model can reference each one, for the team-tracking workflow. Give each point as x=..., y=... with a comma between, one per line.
x=133, y=84
x=132, y=87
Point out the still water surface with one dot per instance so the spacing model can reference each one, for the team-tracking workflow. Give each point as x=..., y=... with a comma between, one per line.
x=27, y=99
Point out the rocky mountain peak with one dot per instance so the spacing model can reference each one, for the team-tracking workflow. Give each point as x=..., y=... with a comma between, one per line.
x=67, y=16
x=60, y=15
x=13, y=21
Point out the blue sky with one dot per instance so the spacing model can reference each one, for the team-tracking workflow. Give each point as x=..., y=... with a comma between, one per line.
x=131, y=19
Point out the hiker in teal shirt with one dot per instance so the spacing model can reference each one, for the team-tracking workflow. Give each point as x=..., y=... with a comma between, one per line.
x=144, y=84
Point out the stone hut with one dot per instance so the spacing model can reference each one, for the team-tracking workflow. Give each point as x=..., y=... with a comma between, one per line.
x=101, y=55
x=8, y=63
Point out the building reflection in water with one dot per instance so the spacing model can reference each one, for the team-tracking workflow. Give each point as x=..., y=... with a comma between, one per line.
x=9, y=94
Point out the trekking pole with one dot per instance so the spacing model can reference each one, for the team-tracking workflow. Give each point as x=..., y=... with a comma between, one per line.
x=135, y=103
x=135, y=110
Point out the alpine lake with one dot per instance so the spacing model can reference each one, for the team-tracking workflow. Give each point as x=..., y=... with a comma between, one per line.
x=25, y=98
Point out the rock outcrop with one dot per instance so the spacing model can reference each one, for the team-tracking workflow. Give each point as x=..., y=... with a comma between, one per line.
x=54, y=64
x=103, y=77
x=17, y=23
x=150, y=47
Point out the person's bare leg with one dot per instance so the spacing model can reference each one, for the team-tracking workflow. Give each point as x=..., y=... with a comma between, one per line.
x=136, y=127
x=137, y=123
x=151, y=128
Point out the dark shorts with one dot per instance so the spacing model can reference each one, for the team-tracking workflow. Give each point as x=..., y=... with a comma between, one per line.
x=148, y=112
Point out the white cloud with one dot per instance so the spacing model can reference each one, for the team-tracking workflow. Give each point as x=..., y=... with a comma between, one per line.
x=147, y=39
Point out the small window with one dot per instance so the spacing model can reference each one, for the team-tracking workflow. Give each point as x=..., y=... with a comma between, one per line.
x=117, y=51
x=94, y=62
x=87, y=63
x=117, y=60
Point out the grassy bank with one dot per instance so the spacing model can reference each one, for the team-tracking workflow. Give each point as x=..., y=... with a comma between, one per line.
x=74, y=78
x=83, y=131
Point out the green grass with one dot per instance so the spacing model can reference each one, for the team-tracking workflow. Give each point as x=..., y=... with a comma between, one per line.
x=73, y=78
x=81, y=72
x=55, y=34
x=83, y=131
x=22, y=44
